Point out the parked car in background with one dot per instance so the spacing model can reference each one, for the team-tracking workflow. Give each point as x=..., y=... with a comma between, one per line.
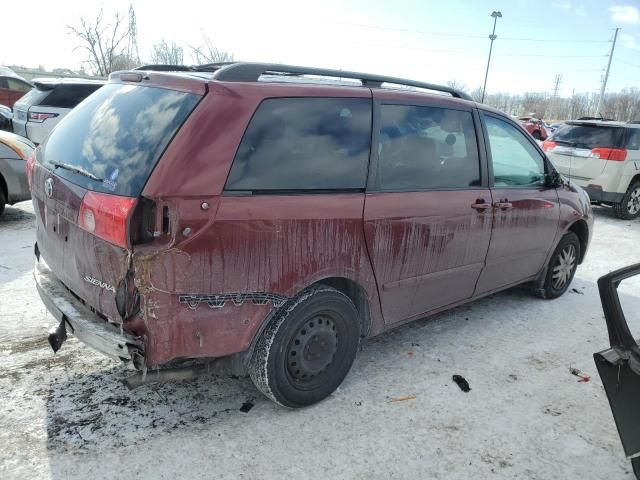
x=535, y=127
x=14, y=151
x=552, y=127
x=619, y=365
x=12, y=87
x=50, y=99
x=604, y=158
x=273, y=223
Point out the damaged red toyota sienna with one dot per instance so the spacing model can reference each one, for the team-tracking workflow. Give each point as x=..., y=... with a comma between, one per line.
x=275, y=215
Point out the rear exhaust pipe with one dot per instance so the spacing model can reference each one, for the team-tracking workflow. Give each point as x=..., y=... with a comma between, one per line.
x=58, y=335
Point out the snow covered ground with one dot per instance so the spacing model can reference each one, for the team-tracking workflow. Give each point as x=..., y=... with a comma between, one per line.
x=69, y=416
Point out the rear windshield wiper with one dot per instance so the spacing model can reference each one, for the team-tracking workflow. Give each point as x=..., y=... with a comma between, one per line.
x=77, y=170
x=565, y=142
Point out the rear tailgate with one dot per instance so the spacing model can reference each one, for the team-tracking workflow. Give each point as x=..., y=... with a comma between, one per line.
x=87, y=182
x=579, y=149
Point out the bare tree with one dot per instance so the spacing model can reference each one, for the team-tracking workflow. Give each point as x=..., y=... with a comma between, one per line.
x=457, y=84
x=167, y=53
x=109, y=43
x=208, y=53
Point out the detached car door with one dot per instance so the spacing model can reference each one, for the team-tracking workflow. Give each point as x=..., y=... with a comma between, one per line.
x=619, y=366
x=525, y=211
x=427, y=216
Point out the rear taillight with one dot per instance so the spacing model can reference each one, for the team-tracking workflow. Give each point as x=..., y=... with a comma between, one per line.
x=106, y=216
x=40, y=116
x=615, y=154
x=31, y=163
x=548, y=145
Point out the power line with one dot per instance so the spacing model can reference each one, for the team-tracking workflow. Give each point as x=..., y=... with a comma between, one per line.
x=547, y=56
x=465, y=52
x=462, y=35
x=616, y=76
x=626, y=63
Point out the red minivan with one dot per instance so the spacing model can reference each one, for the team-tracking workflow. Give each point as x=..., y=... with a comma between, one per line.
x=274, y=215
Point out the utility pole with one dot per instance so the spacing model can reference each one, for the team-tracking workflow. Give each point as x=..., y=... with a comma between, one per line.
x=495, y=14
x=554, y=97
x=556, y=84
x=606, y=75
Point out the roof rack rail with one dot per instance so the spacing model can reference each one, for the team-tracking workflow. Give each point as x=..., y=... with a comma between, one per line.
x=251, y=72
x=160, y=67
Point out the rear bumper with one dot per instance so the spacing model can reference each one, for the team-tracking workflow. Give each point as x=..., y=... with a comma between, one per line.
x=597, y=195
x=14, y=173
x=88, y=327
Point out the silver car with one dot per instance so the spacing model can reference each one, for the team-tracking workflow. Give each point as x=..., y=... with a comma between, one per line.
x=603, y=157
x=14, y=151
x=35, y=114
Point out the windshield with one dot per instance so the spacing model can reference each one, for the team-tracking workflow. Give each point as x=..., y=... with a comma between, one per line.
x=588, y=136
x=112, y=141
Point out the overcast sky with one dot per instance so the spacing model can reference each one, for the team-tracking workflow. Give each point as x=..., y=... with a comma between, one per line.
x=428, y=40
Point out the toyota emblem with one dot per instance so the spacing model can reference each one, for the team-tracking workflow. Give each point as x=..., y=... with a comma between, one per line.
x=48, y=187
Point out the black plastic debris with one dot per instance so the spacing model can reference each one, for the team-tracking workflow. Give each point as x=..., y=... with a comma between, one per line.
x=575, y=290
x=246, y=406
x=462, y=383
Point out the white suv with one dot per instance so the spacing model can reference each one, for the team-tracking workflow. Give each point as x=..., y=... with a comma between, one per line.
x=35, y=114
x=603, y=157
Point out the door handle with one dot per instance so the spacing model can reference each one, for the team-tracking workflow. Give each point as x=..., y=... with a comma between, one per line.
x=503, y=205
x=481, y=206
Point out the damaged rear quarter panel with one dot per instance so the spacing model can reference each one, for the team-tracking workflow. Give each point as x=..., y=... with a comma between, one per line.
x=271, y=244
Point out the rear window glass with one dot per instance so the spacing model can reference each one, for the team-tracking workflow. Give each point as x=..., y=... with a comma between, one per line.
x=68, y=96
x=588, y=136
x=116, y=135
x=32, y=97
x=295, y=144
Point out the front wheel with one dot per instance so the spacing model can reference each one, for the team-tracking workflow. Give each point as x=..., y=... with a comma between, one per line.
x=562, y=266
x=3, y=202
x=629, y=207
x=307, y=349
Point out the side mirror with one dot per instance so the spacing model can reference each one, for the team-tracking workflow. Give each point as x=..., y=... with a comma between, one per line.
x=553, y=179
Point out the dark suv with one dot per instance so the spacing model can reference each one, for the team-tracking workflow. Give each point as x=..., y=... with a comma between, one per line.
x=274, y=215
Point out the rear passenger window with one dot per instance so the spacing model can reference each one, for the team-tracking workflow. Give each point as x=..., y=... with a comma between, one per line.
x=294, y=144
x=68, y=96
x=425, y=148
x=19, y=85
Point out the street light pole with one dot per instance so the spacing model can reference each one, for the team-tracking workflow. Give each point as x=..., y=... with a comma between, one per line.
x=492, y=37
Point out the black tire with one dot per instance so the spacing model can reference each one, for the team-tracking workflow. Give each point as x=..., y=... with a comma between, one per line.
x=3, y=202
x=537, y=135
x=307, y=349
x=629, y=206
x=559, y=273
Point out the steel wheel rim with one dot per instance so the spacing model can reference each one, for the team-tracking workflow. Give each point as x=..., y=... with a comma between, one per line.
x=311, y=351
x=563, y=268
x=633, y=206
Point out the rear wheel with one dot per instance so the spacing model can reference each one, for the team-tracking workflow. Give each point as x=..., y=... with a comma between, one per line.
x=537, y=135
x=562, y=266
x=629, y=207
x=307, y=349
